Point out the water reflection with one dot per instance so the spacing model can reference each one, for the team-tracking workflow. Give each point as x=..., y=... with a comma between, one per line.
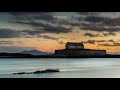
x=70, y=68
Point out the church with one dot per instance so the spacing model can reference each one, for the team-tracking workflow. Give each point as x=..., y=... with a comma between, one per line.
x=77, y=49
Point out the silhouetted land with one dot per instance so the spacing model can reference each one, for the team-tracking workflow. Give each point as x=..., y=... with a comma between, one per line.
x=19, y=55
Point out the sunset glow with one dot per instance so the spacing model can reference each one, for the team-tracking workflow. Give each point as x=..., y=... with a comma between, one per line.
x=48, y=31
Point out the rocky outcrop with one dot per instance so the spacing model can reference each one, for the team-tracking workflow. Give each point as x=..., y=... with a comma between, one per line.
x=40, y=71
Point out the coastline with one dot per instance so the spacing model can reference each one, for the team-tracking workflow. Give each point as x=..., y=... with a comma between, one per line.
x=52, y=56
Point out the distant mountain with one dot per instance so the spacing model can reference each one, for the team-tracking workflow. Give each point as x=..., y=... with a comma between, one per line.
x=34, y=52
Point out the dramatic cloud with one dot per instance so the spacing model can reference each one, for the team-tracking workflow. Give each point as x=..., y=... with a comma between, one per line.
x=58, y=26
x=94, y=19
x=89, y=13
x=98, y=28
x=34, y=20
x=111, y=40
x=108, y=21
x=9, y=33
x=99, y=23
x=92, y=35
x=57, y=29
x=114, y=44
x=49, y=37
x=46, y=28
x=66, y=22
x=94, y=41
x=109, y=34
x=111, y=21
x=45, y=17
x=6, y=42
x=98, y=35
x=35, y=15
x=90, y=41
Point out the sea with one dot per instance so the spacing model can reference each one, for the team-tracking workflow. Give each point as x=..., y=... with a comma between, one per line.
x=69, y=68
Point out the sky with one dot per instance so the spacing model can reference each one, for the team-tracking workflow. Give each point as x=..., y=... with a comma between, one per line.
x=49, y=31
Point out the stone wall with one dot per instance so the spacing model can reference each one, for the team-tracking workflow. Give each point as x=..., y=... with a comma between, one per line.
x=81, y=52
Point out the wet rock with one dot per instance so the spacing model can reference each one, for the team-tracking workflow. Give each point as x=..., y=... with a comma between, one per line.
x=40, y=71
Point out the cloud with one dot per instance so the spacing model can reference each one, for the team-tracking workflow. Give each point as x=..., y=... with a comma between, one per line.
x=111, y=21
x=30, y=13
x=114, y=44
x=66, y=22
x=89, y=41
x=57, y=29
x=9, y=33
x=95, y=19
x=58, y=39
x=62, y=38
x=6, y=42
x=94, y=41
x=98, y=35
x=45, y=17
x=12, y=33
x=98, y=28
x=99, y=23
x=109, y=34
x=49, y=37
x=45, y=26
x=61, y=42
x=107, y=21
x=33, y=15
x=111, y=40
x=89, y=13
x=92, y=35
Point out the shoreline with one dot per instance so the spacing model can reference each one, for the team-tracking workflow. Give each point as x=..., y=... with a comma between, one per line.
x=107, y=56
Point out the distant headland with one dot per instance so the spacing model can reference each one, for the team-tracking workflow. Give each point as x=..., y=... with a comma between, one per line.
x=72, y=50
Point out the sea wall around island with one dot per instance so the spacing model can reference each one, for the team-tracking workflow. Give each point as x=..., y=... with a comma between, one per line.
x=54, y=56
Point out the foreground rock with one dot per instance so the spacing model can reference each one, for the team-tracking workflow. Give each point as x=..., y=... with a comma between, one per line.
x=41, y=71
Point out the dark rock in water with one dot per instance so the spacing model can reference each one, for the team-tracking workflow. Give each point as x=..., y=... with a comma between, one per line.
x=52, y=70
x=47, y=71
x=38, y=72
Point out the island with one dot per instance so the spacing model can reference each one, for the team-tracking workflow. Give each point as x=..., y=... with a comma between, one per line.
x=72, y=50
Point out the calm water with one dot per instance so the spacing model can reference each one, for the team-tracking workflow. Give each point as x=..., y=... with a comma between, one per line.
x=70, y=68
